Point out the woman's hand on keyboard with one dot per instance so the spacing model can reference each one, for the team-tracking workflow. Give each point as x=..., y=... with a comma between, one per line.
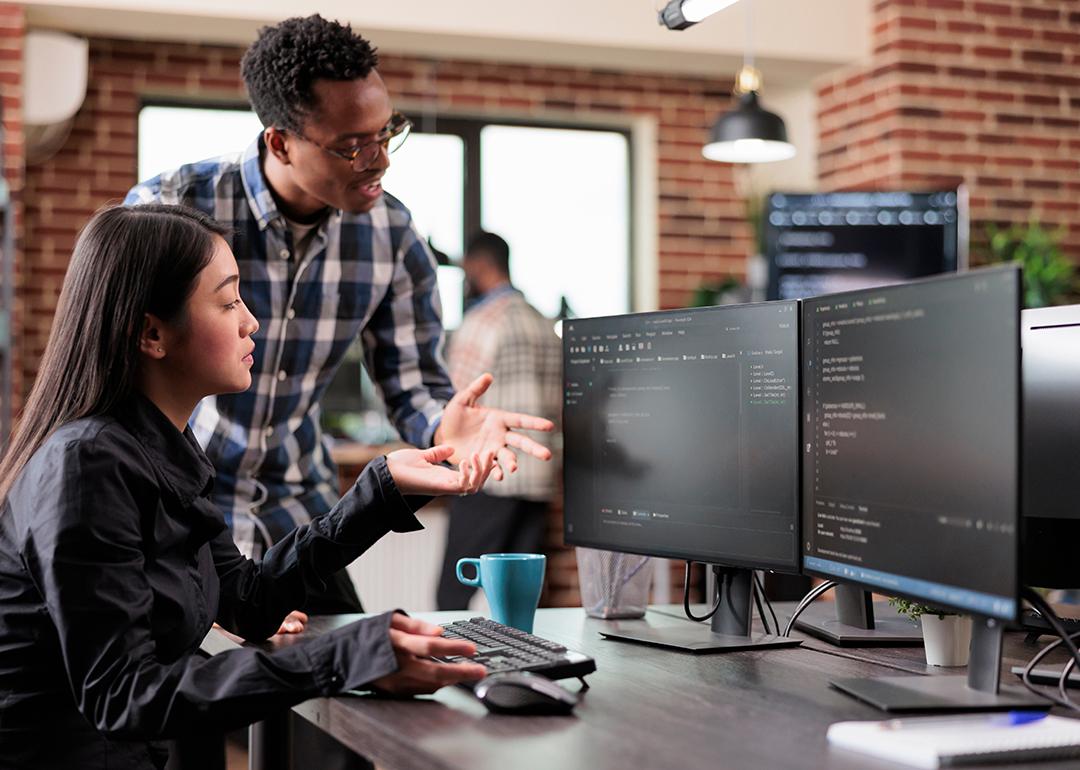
x=415, y=642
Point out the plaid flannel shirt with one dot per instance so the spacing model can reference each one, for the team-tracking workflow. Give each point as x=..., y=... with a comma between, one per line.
x=505, y=335
x=367, y=274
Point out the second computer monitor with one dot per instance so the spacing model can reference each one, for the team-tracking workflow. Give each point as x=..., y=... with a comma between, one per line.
x=911, y=412
x=1051, y=517
x=911, y=463
x=681, y=435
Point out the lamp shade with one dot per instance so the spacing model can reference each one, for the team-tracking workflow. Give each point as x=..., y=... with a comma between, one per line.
x=748, y=134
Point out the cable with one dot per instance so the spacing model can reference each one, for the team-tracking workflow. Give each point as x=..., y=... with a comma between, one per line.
x=686, y=599
x=805, y=602
x=1025, y=676
x=760, y=588
x=765, y=596
x=1040, y=604
x=1063, y=681
x=755, y=589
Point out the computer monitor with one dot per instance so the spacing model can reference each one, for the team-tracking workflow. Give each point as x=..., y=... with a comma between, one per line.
x=911, y=462
x=829, y=242
x=1050, y=526
x=681, y=441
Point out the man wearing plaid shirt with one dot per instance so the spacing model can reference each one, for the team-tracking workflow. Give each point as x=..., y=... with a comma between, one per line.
x=503, y=334
x=324, y=256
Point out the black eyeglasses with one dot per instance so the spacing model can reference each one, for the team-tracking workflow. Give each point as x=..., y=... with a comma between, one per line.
x=362, y=156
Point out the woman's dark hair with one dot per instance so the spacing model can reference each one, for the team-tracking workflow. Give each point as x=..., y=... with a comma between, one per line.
x=281, y=66
x=127, y=262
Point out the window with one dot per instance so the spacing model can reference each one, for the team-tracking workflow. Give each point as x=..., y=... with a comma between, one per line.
x=169, y=137
x=560, y=196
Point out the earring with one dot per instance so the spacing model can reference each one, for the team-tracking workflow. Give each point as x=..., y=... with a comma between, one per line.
x=159, y=350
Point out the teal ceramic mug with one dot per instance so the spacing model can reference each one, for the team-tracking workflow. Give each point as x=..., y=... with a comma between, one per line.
x=512, y=583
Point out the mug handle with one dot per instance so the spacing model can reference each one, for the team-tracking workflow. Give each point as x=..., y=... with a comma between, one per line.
x=474, y=582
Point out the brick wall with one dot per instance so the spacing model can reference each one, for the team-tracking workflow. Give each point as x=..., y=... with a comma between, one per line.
x=12, y=37
x=987, y=93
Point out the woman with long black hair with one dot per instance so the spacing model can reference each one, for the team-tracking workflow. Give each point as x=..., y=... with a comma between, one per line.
x=113, y=562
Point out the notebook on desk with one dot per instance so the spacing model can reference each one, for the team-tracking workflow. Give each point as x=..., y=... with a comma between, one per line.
x=956, y=741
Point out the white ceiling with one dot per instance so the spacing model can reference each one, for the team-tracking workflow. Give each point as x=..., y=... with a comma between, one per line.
x=794, y=40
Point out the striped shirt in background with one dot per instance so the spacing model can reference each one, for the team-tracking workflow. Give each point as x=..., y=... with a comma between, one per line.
x=505, y=335
x=368, y=274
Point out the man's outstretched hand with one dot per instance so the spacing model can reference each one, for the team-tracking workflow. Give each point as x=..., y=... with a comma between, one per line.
x=477, y=431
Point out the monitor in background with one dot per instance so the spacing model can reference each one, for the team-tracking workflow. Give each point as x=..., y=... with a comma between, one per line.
x=829, y=242
x=911, y=462
x=681, y=441
x=1050, y=526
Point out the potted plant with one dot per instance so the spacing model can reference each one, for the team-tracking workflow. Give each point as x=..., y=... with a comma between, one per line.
x=946, y=635
x=1049, y=276
x=725, y=291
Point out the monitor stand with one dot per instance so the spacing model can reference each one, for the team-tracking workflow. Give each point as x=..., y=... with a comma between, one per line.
x=980, y=690
x=729, y=630
x=855, y=620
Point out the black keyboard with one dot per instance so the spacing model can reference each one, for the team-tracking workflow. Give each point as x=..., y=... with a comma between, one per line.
x=503, y=648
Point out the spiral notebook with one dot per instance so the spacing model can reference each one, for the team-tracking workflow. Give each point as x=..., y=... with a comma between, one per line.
x=959, y=741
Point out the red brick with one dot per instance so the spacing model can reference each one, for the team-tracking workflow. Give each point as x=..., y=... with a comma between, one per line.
x=915, y=22
x=974, y=73
x=1042, y=100
x=1044, y=57
x=1017, y=33
x=1061, y=80
x=1060, y=36
x=1042, y=184
x=992, y=52
x=994, y=96
x=993, y=9
x=953, y=25
x=1053, y=122
x=1040, y=14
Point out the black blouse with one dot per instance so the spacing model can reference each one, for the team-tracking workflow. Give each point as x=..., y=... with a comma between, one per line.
x=114, y=564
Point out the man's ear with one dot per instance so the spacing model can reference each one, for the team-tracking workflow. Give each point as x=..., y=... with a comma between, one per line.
x=277, y=143
x=151, y=337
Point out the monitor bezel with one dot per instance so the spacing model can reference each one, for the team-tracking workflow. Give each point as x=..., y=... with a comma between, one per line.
x=1015, y=270
x=792, y=568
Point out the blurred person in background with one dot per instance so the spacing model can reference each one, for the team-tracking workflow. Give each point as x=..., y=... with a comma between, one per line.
x=503, y=334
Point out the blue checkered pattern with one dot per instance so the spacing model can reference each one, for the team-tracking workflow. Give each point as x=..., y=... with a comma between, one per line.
x=368, y=274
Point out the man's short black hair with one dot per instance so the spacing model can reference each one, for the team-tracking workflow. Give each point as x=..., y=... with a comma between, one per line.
x=283, y=63
x=490, y=247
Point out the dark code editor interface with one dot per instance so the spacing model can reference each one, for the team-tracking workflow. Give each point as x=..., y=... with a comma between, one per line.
x=910, y=457
x=830, y=242
x=681, y=433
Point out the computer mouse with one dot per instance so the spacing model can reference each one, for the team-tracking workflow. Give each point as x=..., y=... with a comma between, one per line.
x=520, y=692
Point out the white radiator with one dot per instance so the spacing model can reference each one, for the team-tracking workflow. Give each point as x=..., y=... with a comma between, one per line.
x=401, y=571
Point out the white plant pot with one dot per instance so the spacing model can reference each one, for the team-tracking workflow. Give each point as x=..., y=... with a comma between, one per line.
x=947, y=640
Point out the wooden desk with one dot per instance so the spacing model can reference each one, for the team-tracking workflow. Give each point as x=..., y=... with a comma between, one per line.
x=646, y=708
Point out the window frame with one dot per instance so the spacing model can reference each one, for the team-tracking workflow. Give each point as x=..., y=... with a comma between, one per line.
x=469, y=127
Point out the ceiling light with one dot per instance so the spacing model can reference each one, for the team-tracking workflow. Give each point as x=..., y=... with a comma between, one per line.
x=748, y=133
x=680, y=14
